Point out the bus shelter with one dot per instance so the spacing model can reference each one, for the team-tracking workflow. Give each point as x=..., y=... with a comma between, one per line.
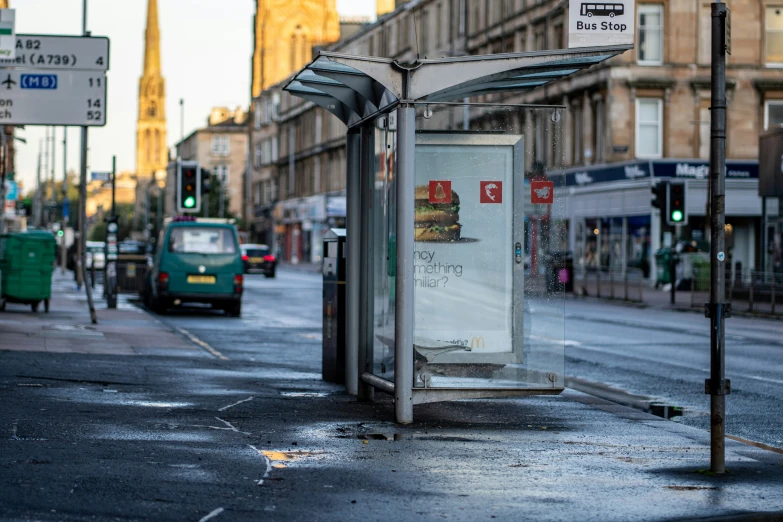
x=444, y=199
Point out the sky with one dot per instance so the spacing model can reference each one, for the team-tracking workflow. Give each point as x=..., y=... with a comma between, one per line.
x=206, y=48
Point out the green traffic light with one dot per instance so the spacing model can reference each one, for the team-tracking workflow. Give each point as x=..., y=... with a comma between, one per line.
x=60, y=233
x=190, y=202
x=677, y=216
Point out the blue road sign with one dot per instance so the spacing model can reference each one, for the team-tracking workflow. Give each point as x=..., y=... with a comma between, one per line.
x=11, y=190
x=39, y=81
x=66, y=209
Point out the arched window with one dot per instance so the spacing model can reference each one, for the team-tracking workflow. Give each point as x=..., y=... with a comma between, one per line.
x=157, y=147
x=148, y=145
x=151, y=109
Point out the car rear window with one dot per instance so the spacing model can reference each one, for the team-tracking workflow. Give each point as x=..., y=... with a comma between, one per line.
x=202, y=240
x=257, y=252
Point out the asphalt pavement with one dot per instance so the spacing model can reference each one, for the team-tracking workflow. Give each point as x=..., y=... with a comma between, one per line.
x=236, y=424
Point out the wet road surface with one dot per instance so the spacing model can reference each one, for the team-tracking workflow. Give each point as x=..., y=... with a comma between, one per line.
x=245, y=429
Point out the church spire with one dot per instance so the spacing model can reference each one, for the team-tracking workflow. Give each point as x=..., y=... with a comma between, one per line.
x=151, y=144
x=152, y=41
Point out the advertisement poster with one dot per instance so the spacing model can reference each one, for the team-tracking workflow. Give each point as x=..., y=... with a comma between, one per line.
x=464, y=254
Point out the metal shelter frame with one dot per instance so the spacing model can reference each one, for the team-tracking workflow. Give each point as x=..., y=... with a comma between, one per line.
x=360, y=89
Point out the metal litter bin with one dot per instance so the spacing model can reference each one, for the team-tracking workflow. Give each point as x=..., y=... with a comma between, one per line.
x=333, y=362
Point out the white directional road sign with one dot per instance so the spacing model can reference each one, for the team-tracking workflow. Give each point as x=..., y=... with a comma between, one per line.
x=52, y=97
x=89, y=53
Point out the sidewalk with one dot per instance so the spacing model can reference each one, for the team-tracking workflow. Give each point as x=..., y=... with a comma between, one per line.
x=126, y=330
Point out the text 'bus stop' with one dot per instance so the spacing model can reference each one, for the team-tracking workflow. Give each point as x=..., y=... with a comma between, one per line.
x=445, y=199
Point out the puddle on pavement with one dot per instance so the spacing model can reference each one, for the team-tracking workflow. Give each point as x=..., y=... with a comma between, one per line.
x=690, y=488
x=305, y=394
x=666, y=411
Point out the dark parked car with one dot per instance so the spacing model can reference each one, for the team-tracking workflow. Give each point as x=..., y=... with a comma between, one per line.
x=259, y=258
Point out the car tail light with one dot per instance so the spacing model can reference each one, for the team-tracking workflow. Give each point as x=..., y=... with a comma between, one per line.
x=238, y=280
x=269, y=258
x=245, y=257
x=163, y=278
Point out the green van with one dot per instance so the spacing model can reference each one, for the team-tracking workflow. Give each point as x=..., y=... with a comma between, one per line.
x=196, y=261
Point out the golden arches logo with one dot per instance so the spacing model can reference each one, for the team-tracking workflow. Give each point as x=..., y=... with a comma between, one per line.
x=477, y=342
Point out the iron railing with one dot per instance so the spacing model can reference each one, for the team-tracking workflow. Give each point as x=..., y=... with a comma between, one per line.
x=749, y=291
x=610, y=283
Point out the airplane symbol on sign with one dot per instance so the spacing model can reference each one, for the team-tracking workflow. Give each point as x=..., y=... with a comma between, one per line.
x=8, y=82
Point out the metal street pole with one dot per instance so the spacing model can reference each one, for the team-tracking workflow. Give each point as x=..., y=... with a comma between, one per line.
x=83, y=199
x=45, y=192
x=222, y=201
x=2, y=184
x=181, y=123
x=66, y=202
x=38, y=200
x=717, y=310
x=53, y=203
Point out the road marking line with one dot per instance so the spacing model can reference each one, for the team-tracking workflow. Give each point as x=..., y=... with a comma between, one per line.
x=756, y=444
x=212, y=515
x=268, y=464
x=195, y=340
x=224, y=408
x=231, y=427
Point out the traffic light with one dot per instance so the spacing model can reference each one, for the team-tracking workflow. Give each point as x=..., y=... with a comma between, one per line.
x=188, y=187
x=659, y=191
x=206, y=184
x=677, y=213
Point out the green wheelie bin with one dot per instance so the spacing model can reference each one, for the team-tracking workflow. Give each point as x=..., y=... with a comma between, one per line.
x=27, y=262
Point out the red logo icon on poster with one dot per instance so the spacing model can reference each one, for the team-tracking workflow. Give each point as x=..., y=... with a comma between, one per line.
x=542, y=192
x=440, y=191
x=491, y=192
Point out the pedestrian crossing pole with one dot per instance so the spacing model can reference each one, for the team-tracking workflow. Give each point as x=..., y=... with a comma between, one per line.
x=717, y=386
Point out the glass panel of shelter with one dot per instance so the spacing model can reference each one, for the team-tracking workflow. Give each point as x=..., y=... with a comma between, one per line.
x=486, y=314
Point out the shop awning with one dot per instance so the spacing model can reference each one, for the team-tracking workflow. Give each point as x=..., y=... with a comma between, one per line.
x=356, y=88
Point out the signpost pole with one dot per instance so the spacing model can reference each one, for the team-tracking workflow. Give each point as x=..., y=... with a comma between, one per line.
x=2, y=185
x=66, y=210
x=717, y=386
x=83, y=198
x=110, y=271
x=53, y=201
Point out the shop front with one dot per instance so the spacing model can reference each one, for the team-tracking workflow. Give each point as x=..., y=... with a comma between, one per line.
x=613, y=225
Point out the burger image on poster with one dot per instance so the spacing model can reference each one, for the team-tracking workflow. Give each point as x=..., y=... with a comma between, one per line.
x=434, y=221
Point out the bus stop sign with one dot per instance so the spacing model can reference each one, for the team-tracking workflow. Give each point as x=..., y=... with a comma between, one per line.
x=591, y=24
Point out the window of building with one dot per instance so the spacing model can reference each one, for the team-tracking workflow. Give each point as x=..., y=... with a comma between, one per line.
x=705, y=34
x=557, y=37
x=539, y=39
x=461, y=8
x=704, y=130
x=257, y=194
x=220, y=145
x=424, y=31
x=258, y=114
x=649, y=128
x=258, y=156
x=221, y=173
x=773, y=114
x=651, y=34
x=774, y=43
